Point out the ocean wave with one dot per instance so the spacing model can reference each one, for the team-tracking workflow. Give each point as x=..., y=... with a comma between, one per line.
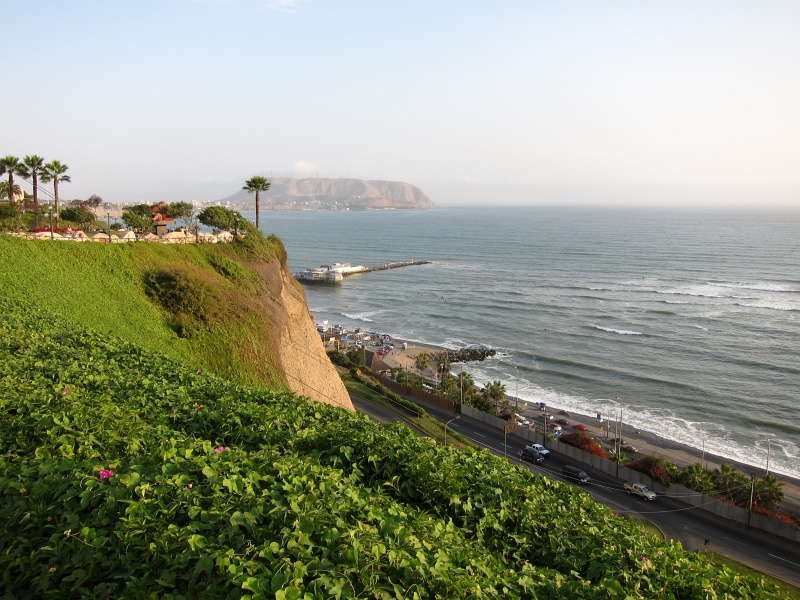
x=362, y=316
x=785, y=306
x=617, y=331
x=697, y=291
x=758, y=287
x=675, y=302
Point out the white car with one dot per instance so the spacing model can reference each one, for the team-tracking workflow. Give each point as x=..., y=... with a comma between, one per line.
x=541, y=449
x=640, y=490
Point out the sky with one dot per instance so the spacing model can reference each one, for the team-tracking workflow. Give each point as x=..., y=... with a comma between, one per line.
x=515, y=102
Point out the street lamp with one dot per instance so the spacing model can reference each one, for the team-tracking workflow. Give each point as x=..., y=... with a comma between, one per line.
x=445, y=428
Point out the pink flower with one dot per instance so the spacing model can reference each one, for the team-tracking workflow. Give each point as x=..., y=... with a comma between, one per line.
x=220, y=449
x=106, y=474
x=197, y=407
x=645, y=559
x=199, y=371
x=65, y=391
x=174, y=410
x=189, y=486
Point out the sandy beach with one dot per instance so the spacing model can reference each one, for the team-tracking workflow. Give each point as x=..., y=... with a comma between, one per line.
x=648, y=443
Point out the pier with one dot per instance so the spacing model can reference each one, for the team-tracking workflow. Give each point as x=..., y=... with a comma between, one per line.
x=397, y=265
x=336, y=272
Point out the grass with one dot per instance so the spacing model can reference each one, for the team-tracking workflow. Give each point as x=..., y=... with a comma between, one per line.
x=200, y=304
x=426, y=425
x=788, y=589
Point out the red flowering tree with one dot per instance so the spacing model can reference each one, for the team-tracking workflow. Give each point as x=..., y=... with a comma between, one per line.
x=658, y=468
x=582, y=440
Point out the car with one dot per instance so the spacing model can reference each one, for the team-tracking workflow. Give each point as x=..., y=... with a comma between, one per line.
x=575, y=473
x=580, y=427
x=629, y=448
x=562, y=421
x=382, y=352
x=554, y=427
x=640, y=490
x=531, y=455
x=540, y=449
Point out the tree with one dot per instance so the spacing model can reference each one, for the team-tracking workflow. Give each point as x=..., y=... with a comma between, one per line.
x=94, y=202
x=768, y=492
x=4, y=191
x=422, y=362
x=32, y=166
x=10, y=165
x=81, y=216
x=139, y=217
x=178, y=210
x=55, y=171
x=731, y=484
x=256, y=184
x=218, y=217
x=466, y=386
x=697, y=478
x=495, y=392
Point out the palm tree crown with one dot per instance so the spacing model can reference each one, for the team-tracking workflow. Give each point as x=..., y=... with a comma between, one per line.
x=11, y=166
x=32, y=165
x=55, y=171
x=256, y=184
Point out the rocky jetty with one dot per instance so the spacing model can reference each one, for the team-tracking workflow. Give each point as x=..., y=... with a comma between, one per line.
x=468, y=354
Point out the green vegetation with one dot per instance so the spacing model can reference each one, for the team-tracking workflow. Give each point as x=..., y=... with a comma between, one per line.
x=124, y=473
x=737, y=567
x=198, y=303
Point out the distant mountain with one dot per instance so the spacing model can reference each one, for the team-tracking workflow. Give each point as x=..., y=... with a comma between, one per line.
x=287, y=193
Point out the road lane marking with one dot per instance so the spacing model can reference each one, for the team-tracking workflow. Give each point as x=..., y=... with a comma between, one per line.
x=783, y=559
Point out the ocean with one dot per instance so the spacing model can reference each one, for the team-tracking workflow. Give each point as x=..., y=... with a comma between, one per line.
x=686, y=322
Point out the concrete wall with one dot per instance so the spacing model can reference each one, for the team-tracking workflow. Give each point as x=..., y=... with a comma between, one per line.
x=706, y=503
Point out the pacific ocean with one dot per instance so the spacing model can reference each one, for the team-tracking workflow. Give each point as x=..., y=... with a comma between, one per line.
x=686, y=322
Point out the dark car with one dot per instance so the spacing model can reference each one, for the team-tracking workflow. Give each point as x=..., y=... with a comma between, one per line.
x=572, y=472
x=562, y=421
x=531, y=455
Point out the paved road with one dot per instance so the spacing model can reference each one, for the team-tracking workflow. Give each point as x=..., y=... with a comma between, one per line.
x=677, y=520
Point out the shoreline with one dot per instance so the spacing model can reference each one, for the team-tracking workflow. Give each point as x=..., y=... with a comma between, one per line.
x=648, y=442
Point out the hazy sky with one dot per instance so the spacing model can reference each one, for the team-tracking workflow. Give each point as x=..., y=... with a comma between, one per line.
x=519, y=101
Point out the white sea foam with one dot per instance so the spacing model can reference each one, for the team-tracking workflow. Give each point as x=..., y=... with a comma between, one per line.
x=758, y=287
x=789, y=306
x=617, y=331
x=365, y=316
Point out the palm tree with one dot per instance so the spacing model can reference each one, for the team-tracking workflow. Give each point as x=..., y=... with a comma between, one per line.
x=11, y=166
x=4, y=190
x=697, y=478
x=731, y=484
x=256, y=184
x=768, y=492
x=422, y=362
x=32, y=165
x=496, y=392
x=55, y=171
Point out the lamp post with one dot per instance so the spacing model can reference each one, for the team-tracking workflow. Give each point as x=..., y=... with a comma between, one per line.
x=445, y=427
x=50, y=214
x=516, y=403
x=108, y=220
x=752, y=490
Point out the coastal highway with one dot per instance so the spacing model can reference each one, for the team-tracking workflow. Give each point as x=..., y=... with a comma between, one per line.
x=677, y=520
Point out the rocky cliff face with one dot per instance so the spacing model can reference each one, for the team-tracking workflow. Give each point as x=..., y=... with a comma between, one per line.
x=287, y=193
x=297, y=346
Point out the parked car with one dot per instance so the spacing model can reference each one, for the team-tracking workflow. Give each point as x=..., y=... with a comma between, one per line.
x=640, y=490
x=382, y=352
x=575, y=473
x=531, y=455
x=579, y=427
x=540, y=449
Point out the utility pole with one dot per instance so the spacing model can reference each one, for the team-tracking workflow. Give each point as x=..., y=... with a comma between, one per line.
x=752, y=490
x=108, y=220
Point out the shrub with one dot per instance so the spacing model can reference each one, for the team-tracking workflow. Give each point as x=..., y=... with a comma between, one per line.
x=659, y=469
x=580, y=439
